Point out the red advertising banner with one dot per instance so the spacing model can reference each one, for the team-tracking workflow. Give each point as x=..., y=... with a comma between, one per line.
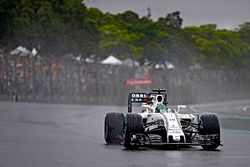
x=139, y=82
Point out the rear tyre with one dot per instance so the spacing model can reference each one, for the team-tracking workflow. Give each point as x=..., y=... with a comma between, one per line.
x=133, y=124
x=210, y=128
x=113, y=128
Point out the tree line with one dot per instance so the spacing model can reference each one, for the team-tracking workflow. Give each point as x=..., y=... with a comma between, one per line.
x=58, y=27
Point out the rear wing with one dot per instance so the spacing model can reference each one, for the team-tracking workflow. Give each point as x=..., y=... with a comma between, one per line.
x=136, y=98
x=142, y=98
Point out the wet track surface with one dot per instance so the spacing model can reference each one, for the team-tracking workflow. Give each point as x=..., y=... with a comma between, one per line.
x=41, y=135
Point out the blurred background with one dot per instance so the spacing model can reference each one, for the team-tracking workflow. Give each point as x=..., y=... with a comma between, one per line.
x=97, y=51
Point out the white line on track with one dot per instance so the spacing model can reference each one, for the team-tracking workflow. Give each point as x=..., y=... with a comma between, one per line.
x=245, y=108
x=236, y=131
x=236, y=157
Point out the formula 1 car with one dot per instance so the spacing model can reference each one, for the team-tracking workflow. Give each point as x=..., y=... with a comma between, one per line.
x=158, y=124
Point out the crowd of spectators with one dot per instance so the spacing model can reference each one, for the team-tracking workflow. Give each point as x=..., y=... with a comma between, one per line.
x=63, y=78
x=37, y=78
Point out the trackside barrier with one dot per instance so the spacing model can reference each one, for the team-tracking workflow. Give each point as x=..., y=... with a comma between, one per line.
x=68, y=81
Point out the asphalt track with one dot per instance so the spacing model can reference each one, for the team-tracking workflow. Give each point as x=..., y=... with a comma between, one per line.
x=49, y=135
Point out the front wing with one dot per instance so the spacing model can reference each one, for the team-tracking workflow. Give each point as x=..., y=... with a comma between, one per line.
x=203, y=140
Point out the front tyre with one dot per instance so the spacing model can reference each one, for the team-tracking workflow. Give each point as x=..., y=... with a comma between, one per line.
x=133, y=124
x=113, y=128
x=209, y=131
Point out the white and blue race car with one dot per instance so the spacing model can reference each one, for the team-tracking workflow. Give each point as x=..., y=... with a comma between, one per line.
x=158, y=124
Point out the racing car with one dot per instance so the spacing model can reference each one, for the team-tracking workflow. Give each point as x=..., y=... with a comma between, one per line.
x=158, y=124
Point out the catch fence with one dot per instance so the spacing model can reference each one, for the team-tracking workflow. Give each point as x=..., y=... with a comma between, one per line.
x=69, y=81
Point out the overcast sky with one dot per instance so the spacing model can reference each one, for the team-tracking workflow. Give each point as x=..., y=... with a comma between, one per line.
x=225, y=13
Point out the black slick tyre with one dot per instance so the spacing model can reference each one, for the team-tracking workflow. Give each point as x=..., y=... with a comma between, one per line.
x=210, y=128
x=133, y=124
x=113, y=128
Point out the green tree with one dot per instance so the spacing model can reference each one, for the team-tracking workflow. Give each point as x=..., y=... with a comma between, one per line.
x=244, y=32
x=219, y=48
